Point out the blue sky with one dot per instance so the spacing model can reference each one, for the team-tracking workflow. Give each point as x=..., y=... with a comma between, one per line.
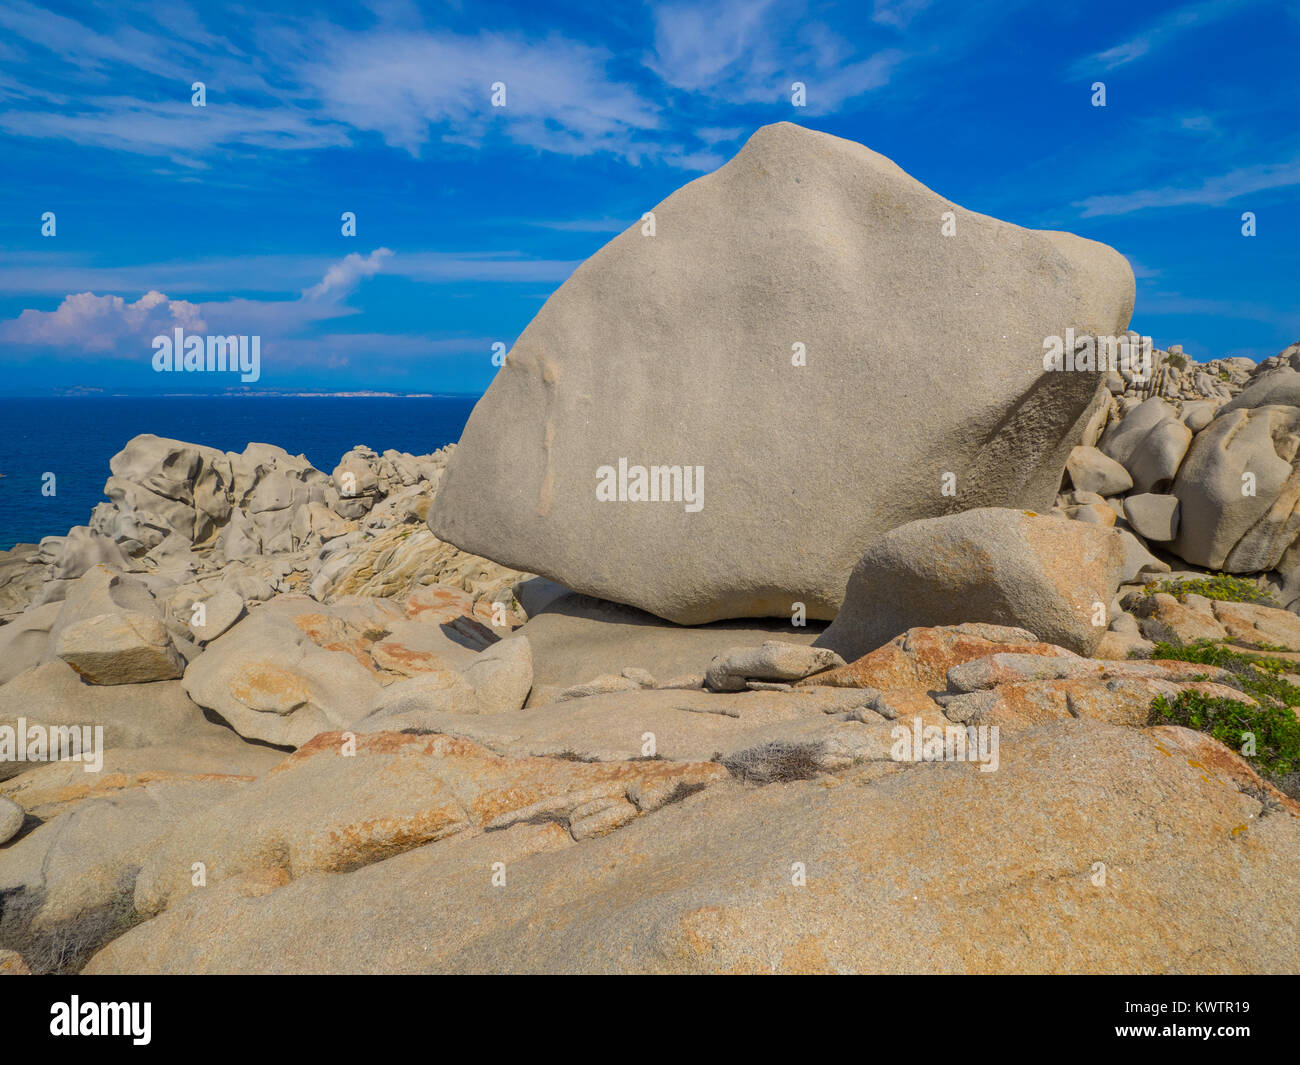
x=226, y=218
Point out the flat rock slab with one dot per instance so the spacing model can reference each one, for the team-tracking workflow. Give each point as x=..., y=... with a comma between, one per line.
x=1052, y=864
x=577, y=638
x=345, y=801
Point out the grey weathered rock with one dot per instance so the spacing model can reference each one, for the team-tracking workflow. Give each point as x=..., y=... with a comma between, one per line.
x=502, y=675
x=272, y=681
x=771, y=661
x=1154, y=516
x=1238, y=489
x=33, y=636
x=1138, y=561
x=1279, y=387
x=342, y=802
x=771, y=253
x=132, y=716
x=943, y=894
x=1150, y=443
x=575, y=638
x=1092, y=470
x=221, y=611
x=1198, y=414
x=496, y=681
x=125, y=648
x=11, y=819
x=83, y=859
x=83, y=548
x=1008, y=567
x=605, y=684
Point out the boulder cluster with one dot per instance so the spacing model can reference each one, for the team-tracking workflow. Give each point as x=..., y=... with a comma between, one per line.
x=1204, y=469
x=836, y=719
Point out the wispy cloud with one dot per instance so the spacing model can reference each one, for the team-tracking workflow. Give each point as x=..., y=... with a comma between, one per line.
x=1159, y=34
x=743, y=51
x=412, y=89
x=897, y=13
x=341, y=278
x=332, y=87
x=45, y=273
x=1213, y=192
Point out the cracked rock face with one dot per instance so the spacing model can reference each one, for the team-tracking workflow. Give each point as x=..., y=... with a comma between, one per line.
x=1054, y=863
x=340, y=803
x=802, y=239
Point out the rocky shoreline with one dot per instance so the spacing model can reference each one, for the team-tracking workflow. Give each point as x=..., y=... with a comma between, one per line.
x=257, y=717
x=365, y=707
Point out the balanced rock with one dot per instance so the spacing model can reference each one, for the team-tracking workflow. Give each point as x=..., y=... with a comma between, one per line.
x=1006, y=567
x=695, y=422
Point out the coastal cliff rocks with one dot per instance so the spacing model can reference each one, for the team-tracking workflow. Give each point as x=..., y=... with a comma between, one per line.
x=994, y=730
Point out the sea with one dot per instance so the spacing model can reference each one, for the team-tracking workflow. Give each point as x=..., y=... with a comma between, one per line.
x=73, y=437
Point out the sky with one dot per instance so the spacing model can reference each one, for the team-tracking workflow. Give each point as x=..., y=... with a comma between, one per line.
x=227, y=218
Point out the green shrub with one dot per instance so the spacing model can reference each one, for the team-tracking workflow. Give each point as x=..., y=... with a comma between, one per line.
x=1175, y=359
x=1221, y=586
x=1261, y=678
x=1273, y=723
x=1275, y=728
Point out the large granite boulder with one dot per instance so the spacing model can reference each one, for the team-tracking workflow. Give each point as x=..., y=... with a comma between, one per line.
x=801, y=342
x=126, y=648
x=1149, y=443
x=1007, y=567
x=1238, y=490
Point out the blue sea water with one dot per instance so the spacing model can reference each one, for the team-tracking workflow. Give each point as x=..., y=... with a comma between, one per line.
x=74, y=438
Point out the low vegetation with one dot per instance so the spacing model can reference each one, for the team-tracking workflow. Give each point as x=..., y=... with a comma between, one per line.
x=1272, y=724
x=1221, y=586
x=1275, y=731
x=772, y=763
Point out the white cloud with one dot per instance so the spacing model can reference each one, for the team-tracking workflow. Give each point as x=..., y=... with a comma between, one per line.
x=1213, y=192
x=741, y=51
x=411, y=88
x=96, y=324
x=897, y=13
x=87, y=323
x=176, y=128
x=1159, y=33
x=342, y=278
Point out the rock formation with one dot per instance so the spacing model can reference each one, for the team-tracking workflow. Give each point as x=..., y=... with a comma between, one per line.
x=800, y=333
x=249, y=694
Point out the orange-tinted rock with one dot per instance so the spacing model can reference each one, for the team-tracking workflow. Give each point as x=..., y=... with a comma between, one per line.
x=1216, y=760
x=1252, y=623
x=342, y=801
x=921, y=657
